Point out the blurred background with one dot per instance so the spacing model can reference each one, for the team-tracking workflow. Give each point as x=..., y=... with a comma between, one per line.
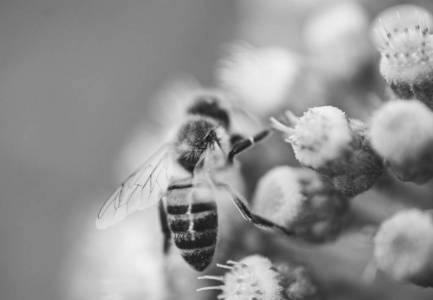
x=76, y=77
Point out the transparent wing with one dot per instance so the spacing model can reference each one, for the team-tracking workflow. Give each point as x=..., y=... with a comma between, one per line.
x=140, y=190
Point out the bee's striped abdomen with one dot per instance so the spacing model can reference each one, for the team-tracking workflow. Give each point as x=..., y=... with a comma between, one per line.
x=192, y=217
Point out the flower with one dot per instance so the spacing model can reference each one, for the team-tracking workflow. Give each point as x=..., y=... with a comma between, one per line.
x=260, y=78
x=336, y=147
x=403, y=247
x=403, y=39
x=401, y=133
x=336, y=35
x=300, y=200
x=255, y=277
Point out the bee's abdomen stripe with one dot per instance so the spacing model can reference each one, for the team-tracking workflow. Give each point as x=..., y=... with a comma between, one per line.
x=195, y=208
x=199, y=258
x=204, y=221
x=195, y=239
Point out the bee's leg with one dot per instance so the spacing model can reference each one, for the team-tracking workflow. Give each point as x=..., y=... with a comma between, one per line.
x=243, y=207
x=165, y=228
x=245, y=143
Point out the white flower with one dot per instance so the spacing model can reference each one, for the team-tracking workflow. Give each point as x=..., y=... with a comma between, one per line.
x=251, y=278
x=319, y=136
x=404, y=245
x=337, y=36
x=401, y=129
x=401, y=34
x=278, y=195
x=259, y=78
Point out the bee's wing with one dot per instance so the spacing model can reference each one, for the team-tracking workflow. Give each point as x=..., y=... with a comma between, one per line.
x=140, y=190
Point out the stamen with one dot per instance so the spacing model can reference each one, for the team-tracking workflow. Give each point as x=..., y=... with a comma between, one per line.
x=293, y=120
x=281, y=127
x=225, y=267
x=218, y=278
x=208, y=288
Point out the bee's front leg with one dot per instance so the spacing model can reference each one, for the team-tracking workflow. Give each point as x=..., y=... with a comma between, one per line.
x=243, y=144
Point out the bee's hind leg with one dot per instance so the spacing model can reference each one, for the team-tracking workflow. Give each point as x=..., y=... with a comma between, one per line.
x=243, y=207
x=165, y=228
x=241, y=144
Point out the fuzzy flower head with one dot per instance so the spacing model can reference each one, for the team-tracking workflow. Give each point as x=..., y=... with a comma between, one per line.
x=299, y=200
x=401, y=34
x=251, y=278
x=257, y=278
x=404, y=245
x=319, y=136
x=258, y=77
x=400, y=130
x=278, y=195
x=337, y=35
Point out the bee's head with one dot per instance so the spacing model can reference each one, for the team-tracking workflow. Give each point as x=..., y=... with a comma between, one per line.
x=208, y=105
x=194, y=137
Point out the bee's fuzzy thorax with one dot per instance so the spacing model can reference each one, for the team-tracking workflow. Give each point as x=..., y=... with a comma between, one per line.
x=208, y=104
x=404, y=247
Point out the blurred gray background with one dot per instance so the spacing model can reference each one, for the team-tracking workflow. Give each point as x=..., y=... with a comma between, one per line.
x=75, y=77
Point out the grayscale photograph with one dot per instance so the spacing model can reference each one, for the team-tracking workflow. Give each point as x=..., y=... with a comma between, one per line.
x=216, y=150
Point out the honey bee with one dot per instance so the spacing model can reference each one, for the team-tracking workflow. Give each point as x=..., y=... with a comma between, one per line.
x=203, y=146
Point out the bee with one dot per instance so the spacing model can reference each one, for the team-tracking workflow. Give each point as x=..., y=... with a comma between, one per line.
x=182, y=172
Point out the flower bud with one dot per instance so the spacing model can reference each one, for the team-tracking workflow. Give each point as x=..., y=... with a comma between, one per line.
x=336, y=147
x=401, y=132
x=403, y=247
x=299, y=200
x=255, y=277
x=403, y=39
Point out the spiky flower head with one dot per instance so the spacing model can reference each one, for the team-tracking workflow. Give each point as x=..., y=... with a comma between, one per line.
x=401, y=132
x=403, y=247
x=256, y=278
x=403, y=39
x=336, y=147
x=301, y=201
x=319, y=136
